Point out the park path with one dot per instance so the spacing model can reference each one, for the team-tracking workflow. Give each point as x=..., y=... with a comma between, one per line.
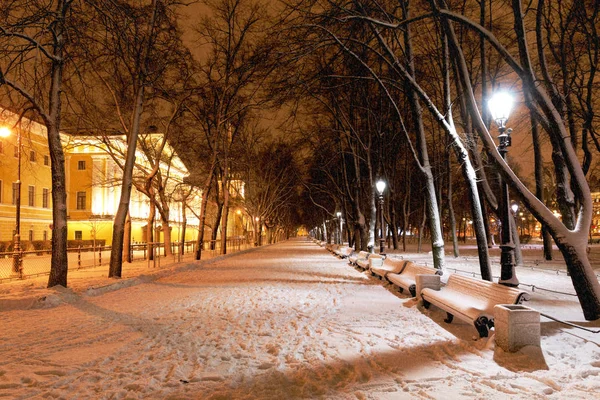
x=281, y=321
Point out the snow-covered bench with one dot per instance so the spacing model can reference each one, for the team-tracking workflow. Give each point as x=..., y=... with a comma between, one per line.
x=406, y=279
x=361, y=255
x=375, y=261
x=389, y=265
x=343, y=251
x=364, y=263
x=471, y=300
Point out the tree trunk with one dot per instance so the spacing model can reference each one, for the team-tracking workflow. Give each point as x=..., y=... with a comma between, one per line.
x=224, y=218
x=539, y=182
x=582, y=275
x=116, y=254
x=166, y=229
x=202, y=219
x=183, y=227
x=127, y=240
x=451, y=209
x=394, y=224
x=215, y=226
x=422, y=230
x=150, y=231
x=59, y=261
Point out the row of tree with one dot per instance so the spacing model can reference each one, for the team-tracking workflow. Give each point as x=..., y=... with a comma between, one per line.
x=375, y=89
x=121, y=68
x=397, y=90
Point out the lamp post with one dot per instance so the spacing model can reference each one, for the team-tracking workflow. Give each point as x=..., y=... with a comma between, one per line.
x=17, y=266
x=515, y=207
x=500, y=106
x=339, y=215
x=380, y=185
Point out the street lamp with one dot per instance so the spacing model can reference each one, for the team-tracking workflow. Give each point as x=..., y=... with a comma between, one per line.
x=17, y=266
x=500, y=106
x=380, y=185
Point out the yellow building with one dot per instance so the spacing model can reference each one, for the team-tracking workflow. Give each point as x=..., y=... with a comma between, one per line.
x=93, y=180
x=94, y=188
x=36, y=181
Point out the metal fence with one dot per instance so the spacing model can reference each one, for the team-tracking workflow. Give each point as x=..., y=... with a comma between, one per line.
x=33, y=263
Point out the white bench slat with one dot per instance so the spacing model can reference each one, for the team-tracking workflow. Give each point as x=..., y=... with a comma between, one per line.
x=390, y=265
x=406, y=280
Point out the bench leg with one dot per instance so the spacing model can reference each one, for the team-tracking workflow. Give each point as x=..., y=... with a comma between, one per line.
x=401, y=290
x=413, y=290
x=426, y=304
x=449, y=318
x=481, y=324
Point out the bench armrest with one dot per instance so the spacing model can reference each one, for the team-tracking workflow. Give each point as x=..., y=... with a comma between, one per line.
x=423, y=281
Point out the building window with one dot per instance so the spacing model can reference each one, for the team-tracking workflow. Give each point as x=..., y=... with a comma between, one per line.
x=81, y=165
x=78, y=235
x=16, y=153
x=31, y=197
x=31, y=235
x=81, y=200
x=1, y=187
x=1, y=147
x=46, y=160
x=32, y=156
x=45, y=196
x=45, y=235
x=15, y=191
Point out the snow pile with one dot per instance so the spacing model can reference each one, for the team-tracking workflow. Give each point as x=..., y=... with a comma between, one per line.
x=283, y=321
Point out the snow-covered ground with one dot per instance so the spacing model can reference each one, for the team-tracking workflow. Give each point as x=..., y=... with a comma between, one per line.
x=278, y=322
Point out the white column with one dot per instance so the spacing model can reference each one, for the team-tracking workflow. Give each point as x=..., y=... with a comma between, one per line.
x=99, y=185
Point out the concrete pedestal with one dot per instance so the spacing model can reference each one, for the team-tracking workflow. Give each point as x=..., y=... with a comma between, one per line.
x=516, y=326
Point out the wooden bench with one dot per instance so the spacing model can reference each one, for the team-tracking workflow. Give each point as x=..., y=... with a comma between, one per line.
x=390, y=265
x=471, y=300
x=353, y=259
x=343, y=251
x=333, y=248
x=406, y=279
x=363, y=263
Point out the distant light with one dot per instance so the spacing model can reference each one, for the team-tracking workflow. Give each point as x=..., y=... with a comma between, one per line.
x=500, y=106
x=238, y=212
x=514, y=207
x=257, y=219
x=5, y=131
x=339, y=214
x=380, y=186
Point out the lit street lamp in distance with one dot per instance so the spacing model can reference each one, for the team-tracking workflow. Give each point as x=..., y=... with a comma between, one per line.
x=380, y=185
x=17, y=265
x=500, y=106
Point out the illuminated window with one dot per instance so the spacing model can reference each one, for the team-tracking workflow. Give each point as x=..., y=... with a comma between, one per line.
x=32, y=156
x=45, y=197
x=46, y=160
x=78, y=235
x=81, y=200
x=31, y=196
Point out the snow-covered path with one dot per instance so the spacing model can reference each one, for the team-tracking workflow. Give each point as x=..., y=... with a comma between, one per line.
x=283, y=321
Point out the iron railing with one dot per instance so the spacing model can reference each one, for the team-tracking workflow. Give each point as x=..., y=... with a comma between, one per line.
x=37, y=262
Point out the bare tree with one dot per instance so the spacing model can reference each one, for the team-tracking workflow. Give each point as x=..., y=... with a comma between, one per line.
x=34, y=43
